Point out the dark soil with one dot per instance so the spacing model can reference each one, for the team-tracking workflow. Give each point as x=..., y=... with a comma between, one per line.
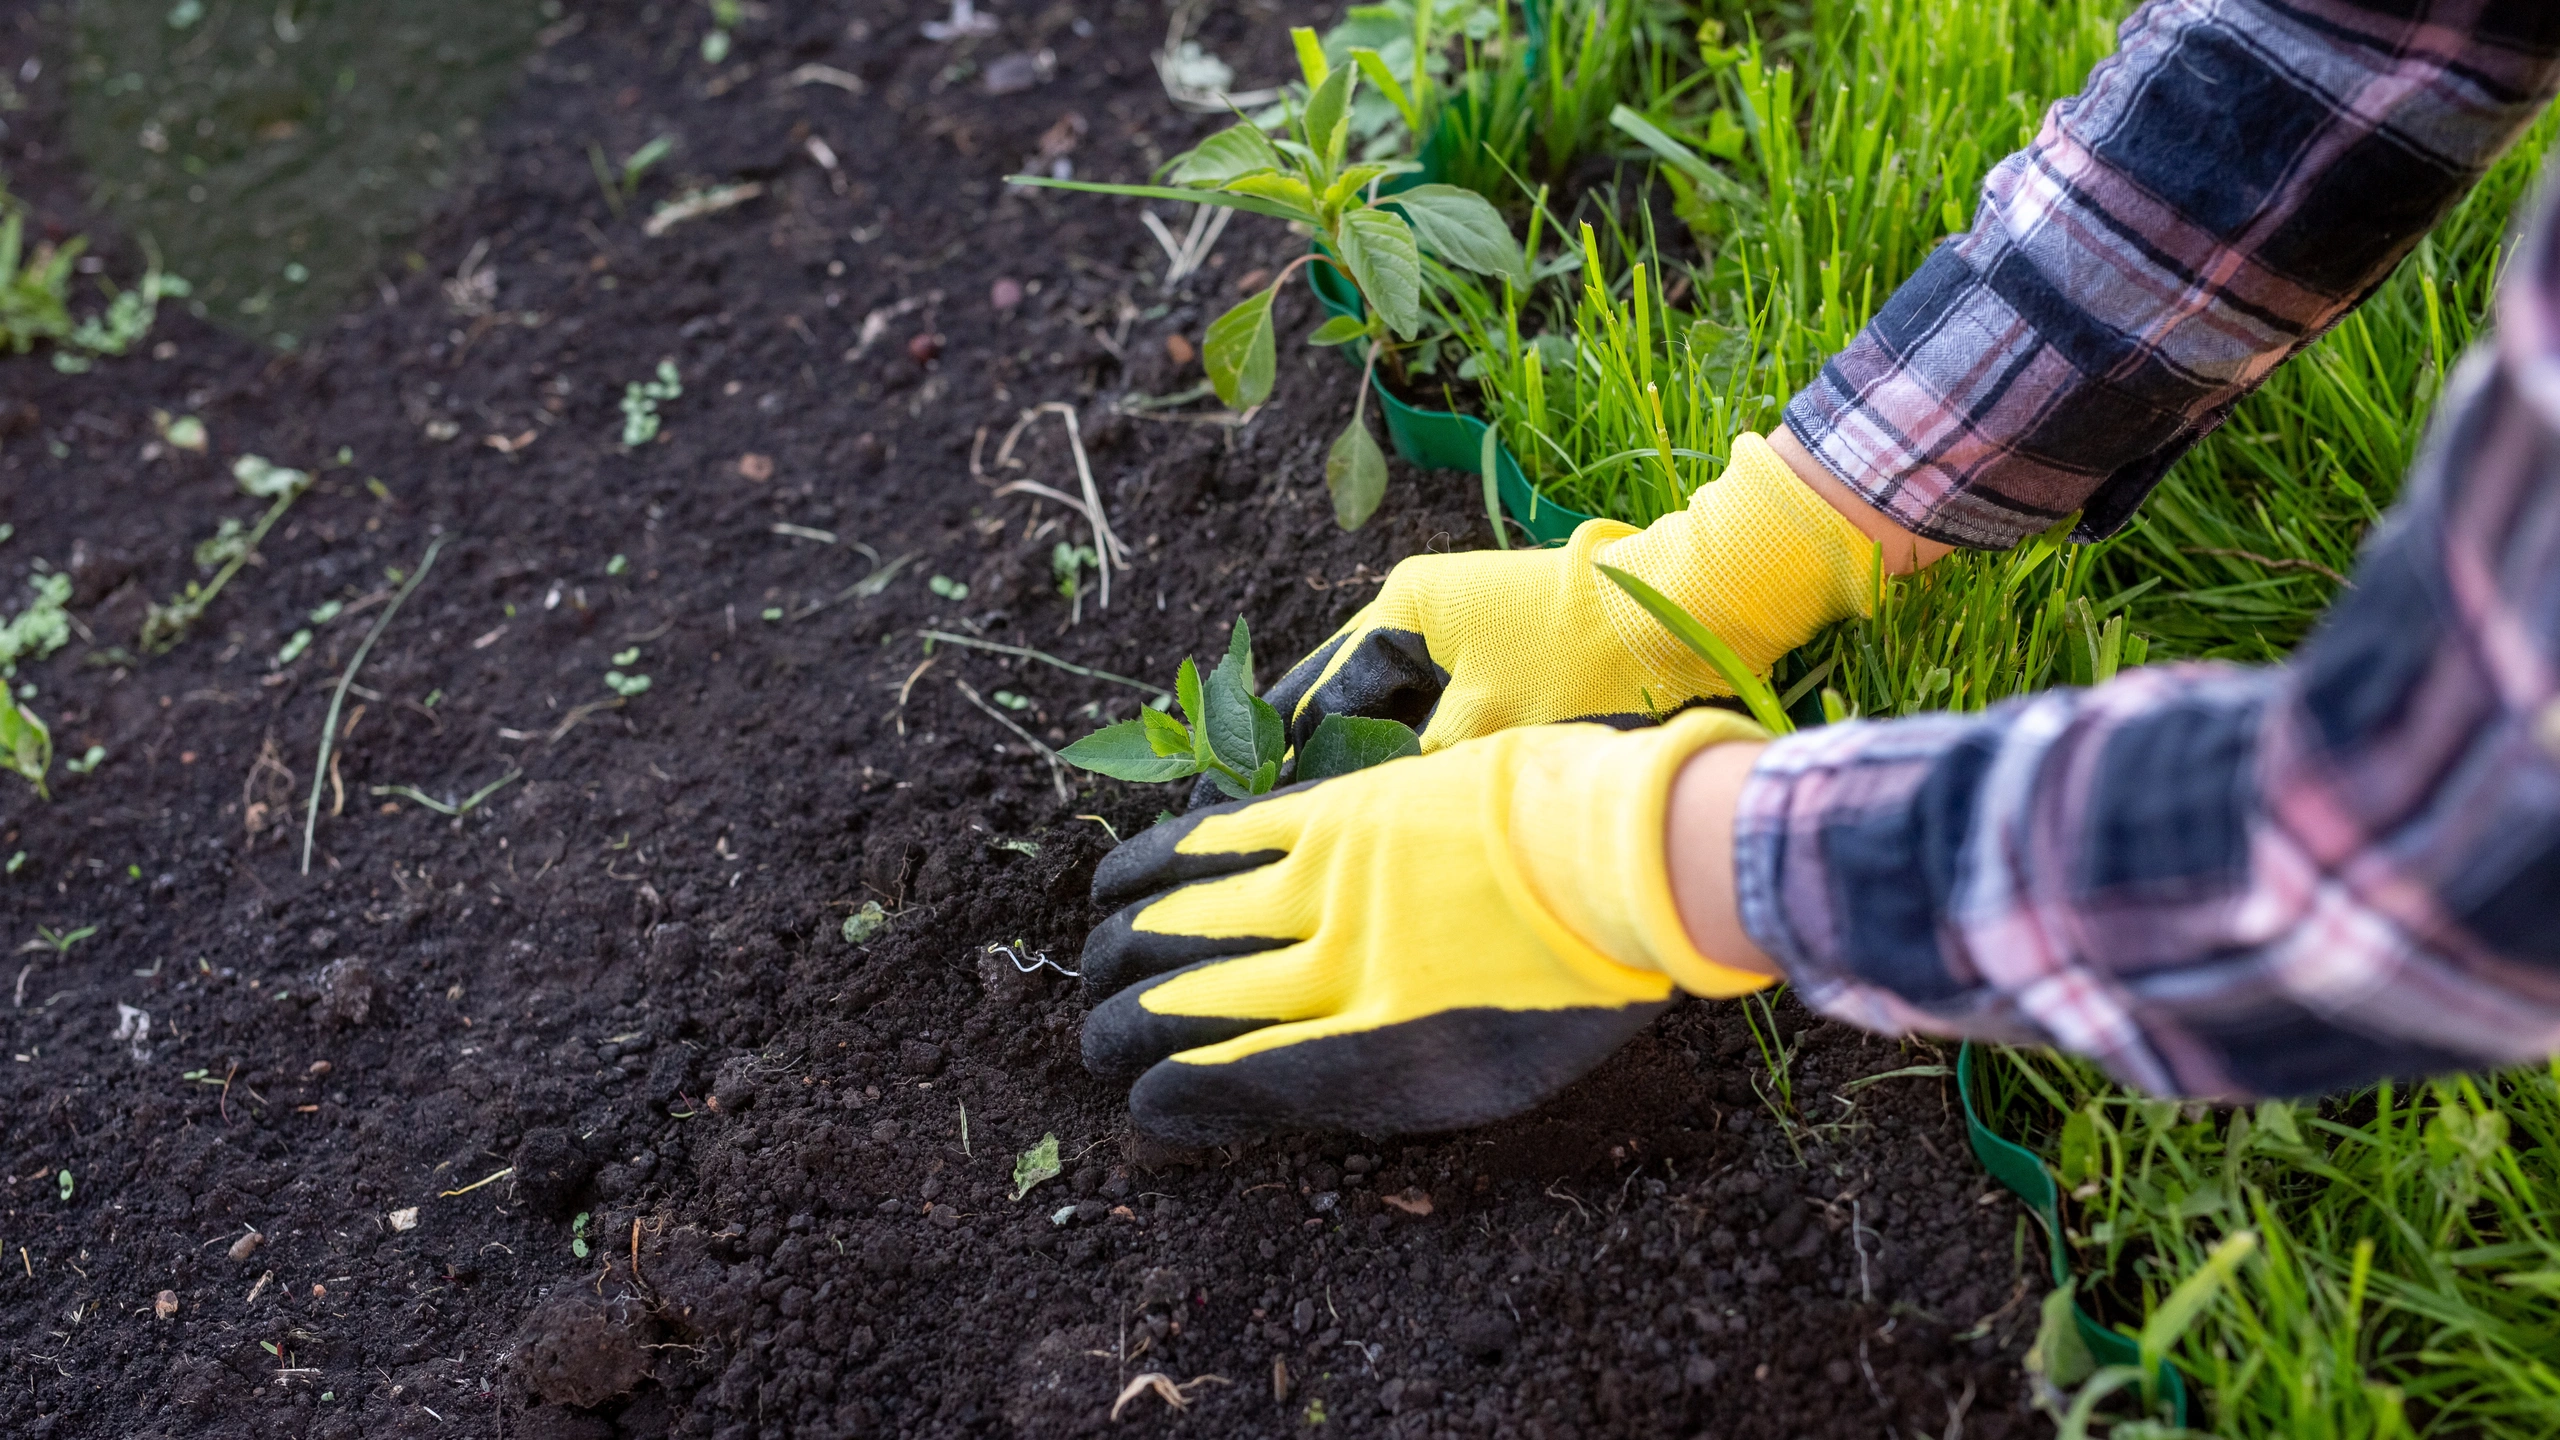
x=625, y=974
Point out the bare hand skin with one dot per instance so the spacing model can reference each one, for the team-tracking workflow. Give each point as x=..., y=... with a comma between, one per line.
x=1700, y=839
x=1700, y=849
x=1904, y=552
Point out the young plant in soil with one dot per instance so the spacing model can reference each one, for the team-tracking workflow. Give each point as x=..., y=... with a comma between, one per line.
x=229, y=548
x=1378, y=243
x=1234, y=737
x=26, y=746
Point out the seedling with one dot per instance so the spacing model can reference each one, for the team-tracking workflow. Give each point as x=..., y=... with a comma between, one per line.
x=26, y=745
x=88, y=762
x=1067, y=567
x=947, y=588
x=40, y=629
x=619, y=187
x=1011, y=701
x=640, y=402
x=1307, y=178
x=292, y=648
x=617, y=565
x=1233, y=736
x=62, y=1186
x=1035, y=1165
x=625, y=686
x=229, y=548
x=58, y=941
x=865, y=923
x=724, y=18
x=578, y=1235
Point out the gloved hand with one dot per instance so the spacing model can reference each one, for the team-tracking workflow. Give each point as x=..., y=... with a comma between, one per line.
x=1459, y=646
x=1435, y=942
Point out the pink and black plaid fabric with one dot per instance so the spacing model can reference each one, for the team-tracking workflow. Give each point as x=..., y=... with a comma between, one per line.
x=2217, y=881
x=2239, y=175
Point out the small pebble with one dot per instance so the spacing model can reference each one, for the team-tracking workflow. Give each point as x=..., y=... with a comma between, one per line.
x=1005, y=294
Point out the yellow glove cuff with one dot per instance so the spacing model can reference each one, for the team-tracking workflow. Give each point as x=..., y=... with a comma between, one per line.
x=1588, y=827
x=1757, y=556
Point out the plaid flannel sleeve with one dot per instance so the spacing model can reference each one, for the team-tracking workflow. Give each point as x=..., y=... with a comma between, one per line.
x=2227, y=882
x=2235, y=178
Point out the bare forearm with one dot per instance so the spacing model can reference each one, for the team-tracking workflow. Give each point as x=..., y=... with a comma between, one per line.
x=1700, y=849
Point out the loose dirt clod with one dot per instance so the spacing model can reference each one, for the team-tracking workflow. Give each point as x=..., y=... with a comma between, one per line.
x=247, y=1245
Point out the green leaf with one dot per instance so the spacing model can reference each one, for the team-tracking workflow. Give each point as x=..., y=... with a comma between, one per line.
x=1266, y=777
x=1356, y=178
x=1231, y=787
x=1462, y=227
x=1286, y=191
x=1168, y=735
x=1378, y=248
x=2059, y=1354
x=1311, y=61
x=1270, y=732
x=1125, y=752
x=1035, y=1165
x=26, y=746
x=1241, y=354
x=1355, y=472
x=2173, y=1315
x=1373, y=66
x=1328, y=116
x=1225, y=198
x=1754, y=691
x=1236, y=151
x=1340, y=330
x=1186, y=689
x=1344, y=743
x=1681, y=158
x=1231, y=724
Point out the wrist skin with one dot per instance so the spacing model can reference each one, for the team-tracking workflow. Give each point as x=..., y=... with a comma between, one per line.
x=1699, y=821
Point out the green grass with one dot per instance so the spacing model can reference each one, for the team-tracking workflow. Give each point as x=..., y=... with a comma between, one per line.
x=2407, y=1275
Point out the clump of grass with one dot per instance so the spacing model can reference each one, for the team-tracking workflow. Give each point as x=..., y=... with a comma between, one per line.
x=35, y=299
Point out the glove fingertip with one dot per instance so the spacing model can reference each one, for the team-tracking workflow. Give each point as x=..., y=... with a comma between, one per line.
x=1122, y=1037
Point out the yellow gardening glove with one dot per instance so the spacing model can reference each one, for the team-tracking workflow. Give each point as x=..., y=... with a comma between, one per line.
x=1435, y=942
x=1458, y=646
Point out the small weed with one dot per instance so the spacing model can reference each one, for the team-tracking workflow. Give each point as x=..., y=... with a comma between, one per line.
x=947, y=588
x=1011, y=701
x=620, y=186
x=456, y=809
x=1233, y=736
x=88, y=762
x=578, y=1235
x=58, y=941
x=640, y=402
x=626, y=686
x=229, y=548
x=15, y=860
x=40, y=629
x=62, y=1186
x=627, y=657
x=1035, y=1165
x=327, y=610
x=724, y=18
x=617, y=564
x=292, y=649
x=863, y=924
x=26, y=745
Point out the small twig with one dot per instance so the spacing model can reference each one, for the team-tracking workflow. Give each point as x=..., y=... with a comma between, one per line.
x=490, y=1179
x=2270, y=561
x=1106, y=544
x=947, y=638
x=694, y=207
x=329, y=727
x=1057, y=767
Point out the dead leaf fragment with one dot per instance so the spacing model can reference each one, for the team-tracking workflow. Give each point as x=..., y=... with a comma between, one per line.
x=166, y=1305
x=758, y=468
x=1180, y=348
x=405, y=1219
x=1412, y=1201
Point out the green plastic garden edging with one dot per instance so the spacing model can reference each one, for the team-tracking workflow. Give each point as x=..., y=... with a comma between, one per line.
x=2024, y=1175
x=1438, y=439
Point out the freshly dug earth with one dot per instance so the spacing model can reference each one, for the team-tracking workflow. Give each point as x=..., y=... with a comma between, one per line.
x=578, y=1114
